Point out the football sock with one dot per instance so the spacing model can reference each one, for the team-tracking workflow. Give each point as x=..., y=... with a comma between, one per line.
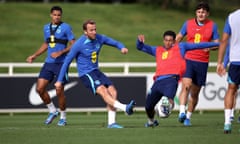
x=188, y=115
x=232, y=112
x=227, y=113
x=119, y=105
x=63, y=114
x=182, y=109
x=51, y=107
x=111, y=117
x=150, y=121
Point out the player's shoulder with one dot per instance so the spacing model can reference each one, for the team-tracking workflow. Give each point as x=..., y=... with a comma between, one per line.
x=190, y=20
x=65, y=25
x=46, y=25
x=82, y=38
x=236, y=12
x=100, y=37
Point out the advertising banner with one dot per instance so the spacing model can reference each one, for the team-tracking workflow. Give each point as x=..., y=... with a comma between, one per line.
x=20, y=92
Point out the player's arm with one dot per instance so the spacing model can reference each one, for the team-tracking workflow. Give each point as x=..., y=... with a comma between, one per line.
x=215, y=36
x=224, y=42
x=220, y=67
x=226, y=57
x=225, y=61
x=185, y=46
x=179, y=37
x=182, y=33
x=66, y=50
x=41, y=50
x=114, y=43
x=144, y=47
x=64, y=70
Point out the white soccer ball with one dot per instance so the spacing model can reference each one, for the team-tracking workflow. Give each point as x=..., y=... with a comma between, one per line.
x=163, y=107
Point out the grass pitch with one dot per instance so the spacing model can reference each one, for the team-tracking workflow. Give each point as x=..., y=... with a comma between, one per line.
x=82, y=128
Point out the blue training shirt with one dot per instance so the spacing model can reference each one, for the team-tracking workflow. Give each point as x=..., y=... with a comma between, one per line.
x=64, y=31
x=86, y=52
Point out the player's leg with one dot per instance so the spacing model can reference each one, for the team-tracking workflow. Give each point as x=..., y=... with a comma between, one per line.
x=183, y=98
x=198, y=80
x=233, y=82
x=111, y=110
x=192, y=102
x=41, y=89
x=103, y=92
x=228, y=105
x=62, y=106
x=45, y=77
x=96, y=81
x=233, y=109
x=60, y=94
x=186, y=85
x=152, y=99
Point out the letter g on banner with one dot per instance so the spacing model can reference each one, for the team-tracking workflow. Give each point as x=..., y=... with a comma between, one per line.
x=211, y=91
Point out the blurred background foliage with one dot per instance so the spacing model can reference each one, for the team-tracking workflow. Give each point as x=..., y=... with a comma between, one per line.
x=21, y=23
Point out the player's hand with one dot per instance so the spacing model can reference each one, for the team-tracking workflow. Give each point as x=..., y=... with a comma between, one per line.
x=31, y=58
x=58, y=85
x=206, y=49
x=124, y=50
x=221, y=71
x=141, y=38
x=56, y=54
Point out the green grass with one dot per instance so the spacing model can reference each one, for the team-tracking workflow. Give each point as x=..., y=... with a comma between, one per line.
x=22, y=23
x=91, y=128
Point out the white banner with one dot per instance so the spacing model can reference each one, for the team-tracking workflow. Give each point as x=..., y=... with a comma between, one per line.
x=211, y=96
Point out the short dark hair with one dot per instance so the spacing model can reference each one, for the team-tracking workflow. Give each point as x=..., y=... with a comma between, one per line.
x=203, y=5
x=89, y=21
x=170, y=33
x=57, y=8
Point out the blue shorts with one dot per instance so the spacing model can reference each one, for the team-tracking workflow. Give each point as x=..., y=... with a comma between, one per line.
x=164, y=87
x=197, y=71
x=50, y=71
x=234, y=74
x=94, y=79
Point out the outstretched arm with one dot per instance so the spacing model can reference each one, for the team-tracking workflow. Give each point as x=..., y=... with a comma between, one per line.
x=143, y=47
x=185, y=46
x=114, y=43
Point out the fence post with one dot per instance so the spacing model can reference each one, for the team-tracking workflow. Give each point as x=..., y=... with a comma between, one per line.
x=10, y=69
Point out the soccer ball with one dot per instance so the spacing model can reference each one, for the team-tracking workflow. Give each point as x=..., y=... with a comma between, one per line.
x=163, y=107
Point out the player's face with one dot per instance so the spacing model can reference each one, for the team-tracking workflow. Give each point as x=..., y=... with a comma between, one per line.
x=56, y=16
x=201, y=15
x=168, y=41
x=91, y=31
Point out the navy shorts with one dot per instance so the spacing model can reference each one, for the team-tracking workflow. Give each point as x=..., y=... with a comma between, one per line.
x=197, y=71
x=94, y=79
x=164, y=87
x=234, y=74
x=50, y=71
